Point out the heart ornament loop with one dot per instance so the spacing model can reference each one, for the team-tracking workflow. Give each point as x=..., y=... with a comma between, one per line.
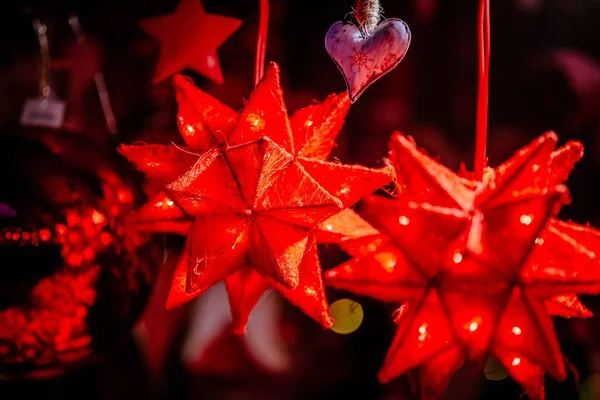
x=364, y=57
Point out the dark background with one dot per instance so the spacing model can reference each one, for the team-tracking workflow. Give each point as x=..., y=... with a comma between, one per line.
x=544, y=76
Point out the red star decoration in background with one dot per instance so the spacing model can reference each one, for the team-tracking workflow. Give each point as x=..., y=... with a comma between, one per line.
x=476, y=265
x=251, y=188
x=189, y=38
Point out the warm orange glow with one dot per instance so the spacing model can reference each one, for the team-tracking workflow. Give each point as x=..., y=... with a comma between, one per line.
x=516, y=361
x=61, y=229
x=516, y=330
x=124, y=196
x=256, y=122
x=45, y=235
x=98, y=217
x=403, y=220
x=473, y=326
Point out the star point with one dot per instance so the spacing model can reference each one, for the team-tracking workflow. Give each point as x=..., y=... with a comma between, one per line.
x=189, y=38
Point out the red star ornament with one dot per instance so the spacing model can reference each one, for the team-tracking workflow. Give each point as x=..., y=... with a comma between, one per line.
x=475, y=264
x=189, y=38
x=259, y=193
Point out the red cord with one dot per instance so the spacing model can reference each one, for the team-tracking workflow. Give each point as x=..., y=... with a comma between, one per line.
x=482, y=91
x=261, y=47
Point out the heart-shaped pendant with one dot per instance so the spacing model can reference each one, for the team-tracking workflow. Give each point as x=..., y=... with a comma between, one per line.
x=364, y=59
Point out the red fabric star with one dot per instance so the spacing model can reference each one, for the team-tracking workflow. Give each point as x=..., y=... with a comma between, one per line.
x=253, y=196
x=477, y=265
x=189, y=38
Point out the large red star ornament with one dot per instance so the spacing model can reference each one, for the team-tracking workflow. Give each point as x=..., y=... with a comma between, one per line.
x=254, y=194
x=189, y=38
x=477, y=266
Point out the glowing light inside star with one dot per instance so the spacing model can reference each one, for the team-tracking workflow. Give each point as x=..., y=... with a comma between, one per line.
x=328, y=227
x=423, y=332
x=539, y=241
x=457, y=258
x=256, y=122
x=516, y=361
x=170, y=203
x=526, y=219
x=473, y=326
x=516, y=330
x=403, y=220
x=347, y=314
x=308, y=123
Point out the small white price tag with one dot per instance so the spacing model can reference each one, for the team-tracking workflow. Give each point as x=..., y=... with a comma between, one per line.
x=43, y=112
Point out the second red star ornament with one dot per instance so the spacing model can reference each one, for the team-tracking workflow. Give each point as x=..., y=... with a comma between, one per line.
x=476, y=265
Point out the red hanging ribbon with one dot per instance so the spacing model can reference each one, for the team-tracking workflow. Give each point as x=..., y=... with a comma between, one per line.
x=261, y=47
x=482, y=91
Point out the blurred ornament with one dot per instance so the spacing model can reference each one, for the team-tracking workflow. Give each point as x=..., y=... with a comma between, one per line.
x=69, y=263
x=494, y=370
x=262, y=343
x=263, y=195
x=347, y=314
x=485, y=278
x=189, y=38
x=367, y=51
x=590, y=388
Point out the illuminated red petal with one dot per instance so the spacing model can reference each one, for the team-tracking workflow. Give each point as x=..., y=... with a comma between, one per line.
x=567, y=306
x=277, y=250
x=523, y=174
x=363, y=246
x=265, y=114
x=316, y=127
x=160, y=214
x=286, y=191
x=563, y=160
x=564, y=260
x=208, y=188
x=424, y=331
x=203, y=121
x=436, y=373
x=217, y=246
x=523, y=371
x=309, y=295
x=424, y=179
x=474, y=316
x=162, y=163
x=410, y=228
x=526, y=329
x=244, y=289
x=349, y=183
x=344, y=226
x=178, y=294
x=513, y=228
x=385, y=275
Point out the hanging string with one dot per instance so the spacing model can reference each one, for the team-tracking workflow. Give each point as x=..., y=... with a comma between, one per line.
x=261, y=47
x=368, y=14
x=483, y=85
x=109, y=116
